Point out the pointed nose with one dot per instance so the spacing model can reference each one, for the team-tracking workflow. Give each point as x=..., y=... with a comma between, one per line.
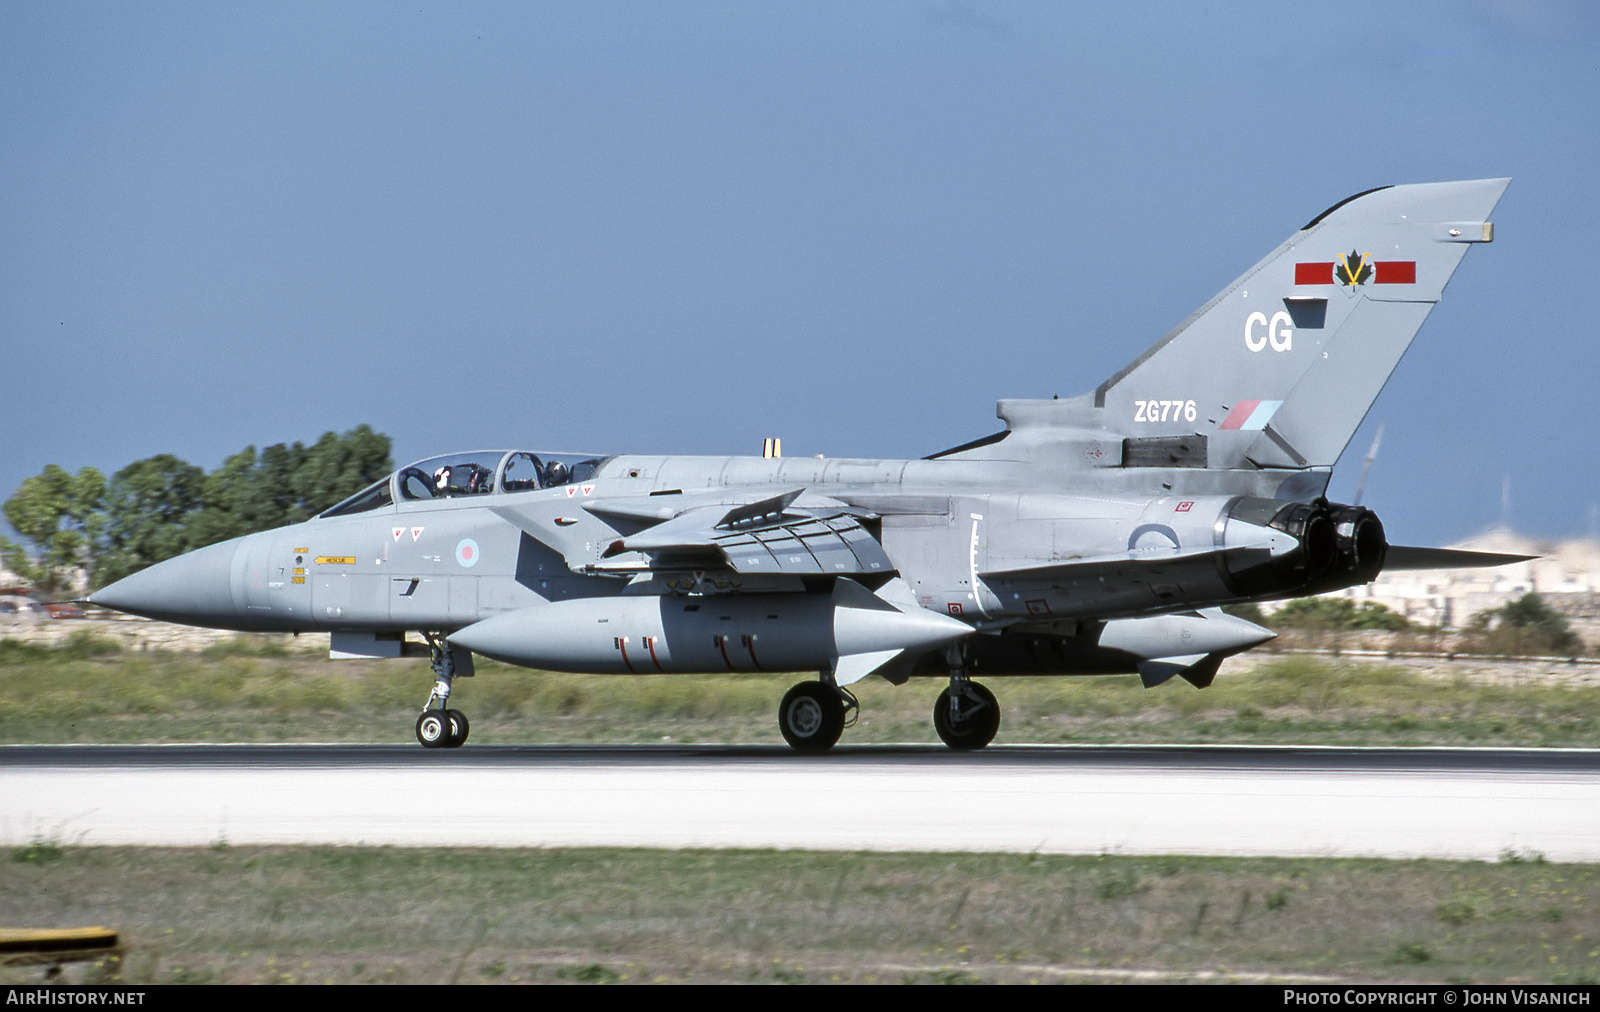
x=194, y=589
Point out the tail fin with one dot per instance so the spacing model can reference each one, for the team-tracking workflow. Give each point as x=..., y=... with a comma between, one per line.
x=1283, y=364
x=1280, y=367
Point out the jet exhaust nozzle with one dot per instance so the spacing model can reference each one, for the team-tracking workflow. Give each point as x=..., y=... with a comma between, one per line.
x=1334, y=546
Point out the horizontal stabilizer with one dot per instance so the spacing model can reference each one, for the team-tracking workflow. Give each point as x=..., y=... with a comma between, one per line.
x=1401, y=557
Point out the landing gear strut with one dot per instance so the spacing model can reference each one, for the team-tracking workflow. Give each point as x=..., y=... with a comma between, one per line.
x=966, y=715
x=438, y=727
x=813, y=715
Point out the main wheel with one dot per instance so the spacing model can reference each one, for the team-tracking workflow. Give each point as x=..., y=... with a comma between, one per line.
x=979, y=721
x=459, y=729
x=811, y=717
x=433, y=729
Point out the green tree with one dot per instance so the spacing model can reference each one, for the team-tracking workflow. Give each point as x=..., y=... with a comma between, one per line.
x=231, y=503
x=1330, y=613
x=162, y=506
x=148, y=505
x=1526, y=625
x=337, y=467
x=286, y=483
x=60, y=515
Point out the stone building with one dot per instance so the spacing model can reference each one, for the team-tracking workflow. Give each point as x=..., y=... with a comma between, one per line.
x=1565, y=574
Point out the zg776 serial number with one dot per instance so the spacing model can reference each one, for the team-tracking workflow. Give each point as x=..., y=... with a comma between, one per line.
x=1161, y=411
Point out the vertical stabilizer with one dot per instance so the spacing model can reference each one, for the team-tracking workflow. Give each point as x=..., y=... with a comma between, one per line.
x=1280, y=367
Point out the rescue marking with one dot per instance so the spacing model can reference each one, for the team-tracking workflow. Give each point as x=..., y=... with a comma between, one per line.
x=416, y=532
x=397, y=531
x=1184, y=507
x=336, y=560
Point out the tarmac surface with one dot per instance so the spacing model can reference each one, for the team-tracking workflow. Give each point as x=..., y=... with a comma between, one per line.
x=1225, y=800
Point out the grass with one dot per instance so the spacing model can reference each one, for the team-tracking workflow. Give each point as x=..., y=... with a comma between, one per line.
x=354, y=915
x=255, y=689
x=358, y=915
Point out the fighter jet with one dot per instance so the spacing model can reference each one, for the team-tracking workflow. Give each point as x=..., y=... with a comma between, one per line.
x=1100, y=534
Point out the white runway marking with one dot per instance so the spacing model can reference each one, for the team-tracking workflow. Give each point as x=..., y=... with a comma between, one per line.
x=817, y=805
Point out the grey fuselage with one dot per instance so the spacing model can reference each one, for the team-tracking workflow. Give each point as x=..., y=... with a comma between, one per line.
x=1094, y=534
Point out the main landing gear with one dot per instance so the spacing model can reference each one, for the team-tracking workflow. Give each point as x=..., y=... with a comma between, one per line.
x=813, y=715
x=438, y=727
x=966, y=715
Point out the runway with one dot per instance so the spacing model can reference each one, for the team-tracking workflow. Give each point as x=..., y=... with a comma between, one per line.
x=1227, y=800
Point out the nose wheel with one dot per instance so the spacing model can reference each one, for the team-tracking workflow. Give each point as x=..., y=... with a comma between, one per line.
x=438, y=727
x=442, y=729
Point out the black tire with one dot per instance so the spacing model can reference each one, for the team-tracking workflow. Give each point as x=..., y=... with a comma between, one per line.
x=459, y=729
x=979, y=723
x=811, y=717
x=433, y=729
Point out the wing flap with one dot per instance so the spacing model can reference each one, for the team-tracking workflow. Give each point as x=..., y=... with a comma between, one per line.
x=770, y=536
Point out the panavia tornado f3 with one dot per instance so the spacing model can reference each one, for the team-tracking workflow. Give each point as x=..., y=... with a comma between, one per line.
x=1096, y=535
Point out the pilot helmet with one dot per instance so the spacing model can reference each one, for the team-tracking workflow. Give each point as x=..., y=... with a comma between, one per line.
x=556, y=473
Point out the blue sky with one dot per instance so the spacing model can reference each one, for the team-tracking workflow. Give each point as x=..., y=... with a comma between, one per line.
x=681, y=228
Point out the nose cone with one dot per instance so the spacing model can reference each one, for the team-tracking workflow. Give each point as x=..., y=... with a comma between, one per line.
x=194, y=589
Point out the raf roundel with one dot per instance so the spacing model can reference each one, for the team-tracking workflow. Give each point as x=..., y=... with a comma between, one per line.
x=467, y=553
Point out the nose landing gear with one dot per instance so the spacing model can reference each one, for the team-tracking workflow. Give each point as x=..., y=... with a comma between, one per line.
x=438, y=727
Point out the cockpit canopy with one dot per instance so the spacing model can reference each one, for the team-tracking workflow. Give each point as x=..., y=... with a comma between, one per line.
x=485, y=472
